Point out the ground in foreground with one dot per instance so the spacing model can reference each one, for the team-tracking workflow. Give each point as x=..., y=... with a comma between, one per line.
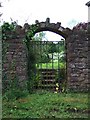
x=45, y=104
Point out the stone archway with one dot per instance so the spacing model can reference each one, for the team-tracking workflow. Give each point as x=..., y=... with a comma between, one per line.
x=52, y=27
x=47, y=26
x=76, y=46
x=76, y=57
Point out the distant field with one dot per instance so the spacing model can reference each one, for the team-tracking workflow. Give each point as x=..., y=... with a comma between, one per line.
x=55, y=65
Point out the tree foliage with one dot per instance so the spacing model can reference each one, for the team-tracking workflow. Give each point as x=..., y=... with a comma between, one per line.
x=39, y=36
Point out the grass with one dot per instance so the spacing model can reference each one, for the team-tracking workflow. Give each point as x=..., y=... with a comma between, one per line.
x=49, y=65
x=46, y=104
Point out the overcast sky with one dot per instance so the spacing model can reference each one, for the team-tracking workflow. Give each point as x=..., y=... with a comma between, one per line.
x=68, y=12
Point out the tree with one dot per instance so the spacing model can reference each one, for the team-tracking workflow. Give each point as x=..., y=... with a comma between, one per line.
x=0, y=12
x=40, y=48
x=39, y=36
x=1, y=6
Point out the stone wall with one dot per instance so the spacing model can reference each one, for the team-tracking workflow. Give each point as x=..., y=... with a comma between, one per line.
x=77, y=61
x=14, y=64
x=77, y=56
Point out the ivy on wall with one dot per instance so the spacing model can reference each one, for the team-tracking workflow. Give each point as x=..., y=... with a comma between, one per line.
x=31, y=59
x=8, y=31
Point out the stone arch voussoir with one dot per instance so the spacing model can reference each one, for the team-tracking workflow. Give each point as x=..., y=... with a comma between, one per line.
x=47, y=26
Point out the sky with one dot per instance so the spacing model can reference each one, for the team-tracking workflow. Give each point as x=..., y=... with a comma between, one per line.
x=68, y=12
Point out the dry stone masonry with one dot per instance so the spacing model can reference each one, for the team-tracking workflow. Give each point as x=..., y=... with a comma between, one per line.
x=77, y=61
x=76, y=47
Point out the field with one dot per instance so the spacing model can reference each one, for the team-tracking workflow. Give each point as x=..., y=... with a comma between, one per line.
x=55, y=65
x=46, y=104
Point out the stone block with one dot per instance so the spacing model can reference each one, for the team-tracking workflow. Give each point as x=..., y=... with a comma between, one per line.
x=42, y=25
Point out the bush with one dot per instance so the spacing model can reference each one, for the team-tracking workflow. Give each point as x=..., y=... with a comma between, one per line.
x=15, y=94
x=44, y=58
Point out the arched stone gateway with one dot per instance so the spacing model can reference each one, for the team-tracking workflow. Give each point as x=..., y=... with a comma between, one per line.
x=51, y=74
x=53, y=27
x=76, y=49
x=56, y=28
